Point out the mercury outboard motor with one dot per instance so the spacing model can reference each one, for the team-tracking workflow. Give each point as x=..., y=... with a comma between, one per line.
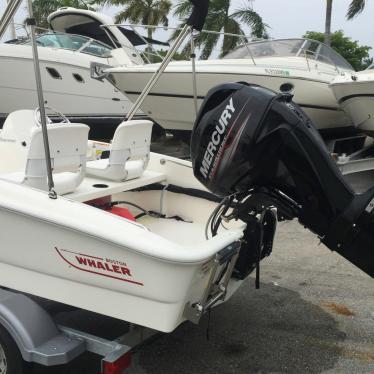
x=259, y=151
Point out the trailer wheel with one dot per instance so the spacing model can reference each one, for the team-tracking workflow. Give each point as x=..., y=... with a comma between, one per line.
x=11, y=361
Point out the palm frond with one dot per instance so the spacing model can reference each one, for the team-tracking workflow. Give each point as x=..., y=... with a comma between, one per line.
x=251, y=18
x=230, y=42
x=355, y=8
x=210, y=41
x=182, y=9
x=147, y=12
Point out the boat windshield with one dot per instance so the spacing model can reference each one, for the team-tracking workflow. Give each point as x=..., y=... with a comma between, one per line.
x=311, y=49
x=74, y=43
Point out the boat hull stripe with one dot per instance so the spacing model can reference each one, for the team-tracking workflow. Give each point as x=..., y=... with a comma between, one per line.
x=177, y=96
x=345, y=98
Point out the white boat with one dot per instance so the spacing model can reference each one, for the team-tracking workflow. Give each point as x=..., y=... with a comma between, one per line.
x=72, y=232
x=62, y=217
x=66, y=52
x=355, y=94
x=303, y=67
x=150, y=271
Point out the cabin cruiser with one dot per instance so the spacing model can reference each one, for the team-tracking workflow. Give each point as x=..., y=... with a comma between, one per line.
x=66, y=51
x=302, y=67
x=355, y=92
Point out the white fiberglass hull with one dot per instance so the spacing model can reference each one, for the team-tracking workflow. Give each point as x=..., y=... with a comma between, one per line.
x=72, y=92
x=145, y=273
x=355, y=94
x=171, y=104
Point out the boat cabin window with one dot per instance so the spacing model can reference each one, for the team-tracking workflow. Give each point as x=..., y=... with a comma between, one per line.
x=311, y=49
x=97, y=49
x=73, y=43
x=328, y=55
x=276, y=48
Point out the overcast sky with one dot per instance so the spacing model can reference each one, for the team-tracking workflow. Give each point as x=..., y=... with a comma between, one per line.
x=292, y=18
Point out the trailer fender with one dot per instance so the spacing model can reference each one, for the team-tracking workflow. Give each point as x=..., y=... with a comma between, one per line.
x=34, y=331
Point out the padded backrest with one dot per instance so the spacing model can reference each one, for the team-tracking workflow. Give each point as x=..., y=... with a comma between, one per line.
x=15, y=139
x=132, y=138
x=68, y=147
x=18, y=125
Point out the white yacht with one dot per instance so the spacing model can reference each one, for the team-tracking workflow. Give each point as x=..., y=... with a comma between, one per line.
x=355, y=94
x=302, y=67
x=66, y=52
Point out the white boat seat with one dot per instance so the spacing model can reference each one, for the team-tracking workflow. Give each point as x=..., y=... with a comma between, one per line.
x=18, y=125
x=15, y=138
x=129, y=153
x=68, y=148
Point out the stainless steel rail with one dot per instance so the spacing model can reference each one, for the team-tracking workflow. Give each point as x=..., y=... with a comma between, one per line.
x=43, y=118
x=185, y=31
x=8, y=15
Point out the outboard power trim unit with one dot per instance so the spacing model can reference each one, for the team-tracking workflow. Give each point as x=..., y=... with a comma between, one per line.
x=260, y=152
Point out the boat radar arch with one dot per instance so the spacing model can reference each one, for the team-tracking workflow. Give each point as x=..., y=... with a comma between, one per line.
x=90, y=24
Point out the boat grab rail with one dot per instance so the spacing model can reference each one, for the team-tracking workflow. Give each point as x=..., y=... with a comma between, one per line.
x=306, y=52
x=134, y=26
x=216, y=289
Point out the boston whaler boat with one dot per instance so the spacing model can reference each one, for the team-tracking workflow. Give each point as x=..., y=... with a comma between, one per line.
x=136, y=236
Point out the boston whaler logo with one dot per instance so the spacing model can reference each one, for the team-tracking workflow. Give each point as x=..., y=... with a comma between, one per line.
x=215, y=145
x=99, y=266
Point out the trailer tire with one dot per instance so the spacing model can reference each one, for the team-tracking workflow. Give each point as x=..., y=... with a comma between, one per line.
x=11, y=361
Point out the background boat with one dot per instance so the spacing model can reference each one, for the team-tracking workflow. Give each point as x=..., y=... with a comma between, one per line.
x=355, y=94
x=66, y=52
x=299, y=66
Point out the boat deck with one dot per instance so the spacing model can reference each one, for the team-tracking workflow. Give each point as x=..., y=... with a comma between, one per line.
x=95, y=188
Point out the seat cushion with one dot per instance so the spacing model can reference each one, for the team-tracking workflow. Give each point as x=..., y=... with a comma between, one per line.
x=64, y=182
x=16, y=177
x=97, y=164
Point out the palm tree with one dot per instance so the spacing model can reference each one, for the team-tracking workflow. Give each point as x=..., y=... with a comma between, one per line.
x=146, y=12
x=219, y=19
x=43, y=8
x=355, y=8
x=328, y=22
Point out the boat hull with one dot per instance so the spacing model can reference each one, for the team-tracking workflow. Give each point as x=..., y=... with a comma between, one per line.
x=171, y=102
x=71, y=90
x=83, y=256
x=356, y=97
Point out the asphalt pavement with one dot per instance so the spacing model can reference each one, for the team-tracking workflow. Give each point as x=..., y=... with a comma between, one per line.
x=314, y=313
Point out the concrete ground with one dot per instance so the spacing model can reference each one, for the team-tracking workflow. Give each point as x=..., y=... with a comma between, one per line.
x=313, y=314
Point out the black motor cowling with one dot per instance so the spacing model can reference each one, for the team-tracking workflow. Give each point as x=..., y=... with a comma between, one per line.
x=248, y=137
